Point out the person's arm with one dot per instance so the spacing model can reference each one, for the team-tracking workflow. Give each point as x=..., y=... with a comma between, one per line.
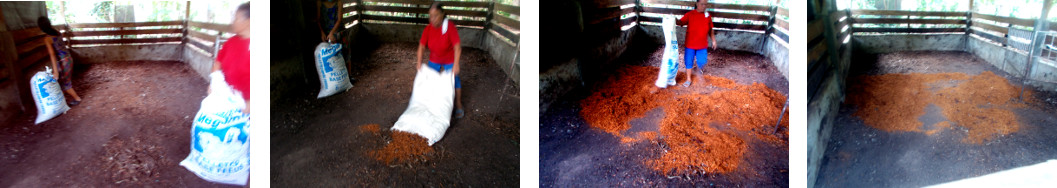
x=458, y=52
x=682, y=20
x=418, y=58
x=712, y=33
x=54, y=61
x=319, y=22
x=216, y=66
x=337, y=23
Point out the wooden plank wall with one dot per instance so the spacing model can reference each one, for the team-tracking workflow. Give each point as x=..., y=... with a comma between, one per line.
x=480, y=13
x=205, y=36
x=898, y=21
x=767, y=18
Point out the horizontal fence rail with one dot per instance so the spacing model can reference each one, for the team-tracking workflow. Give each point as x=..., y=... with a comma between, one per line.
x=501, y=19
x=624, y=14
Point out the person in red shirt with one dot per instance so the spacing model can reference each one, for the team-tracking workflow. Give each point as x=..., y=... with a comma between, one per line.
x=233, y=60
x=442, y=40
x=698, y=30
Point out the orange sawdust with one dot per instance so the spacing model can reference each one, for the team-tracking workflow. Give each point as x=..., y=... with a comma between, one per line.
x=370, y=128
x=404, y=148
x=702, y=131
x=981, y=103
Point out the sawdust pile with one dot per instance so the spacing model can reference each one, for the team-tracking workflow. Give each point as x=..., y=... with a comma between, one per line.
x=404, y=148
x=982, y=103
x=703, y=132
x=370, y=128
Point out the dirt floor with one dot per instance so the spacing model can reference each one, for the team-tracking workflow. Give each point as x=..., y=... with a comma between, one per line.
x=960, y=119
x=635, y=147
x=132, y=130
x=321, y=142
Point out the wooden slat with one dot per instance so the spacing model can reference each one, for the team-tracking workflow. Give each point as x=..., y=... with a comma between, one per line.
x=904, y=13
x=210, y=26
x=740, y=7
x=817, y=51
x=201, y=35
x=477, y=4
x=417, y=2
x=200, y=45
x=783, y=12
x=508, y=34
x=607, y=14
x=126, y=41
x=781, y=23
x=717, y=24
x=780, y=34
x=32, y=59
x=670, y=2
x=815, y=29
x=126, y=32
x=611, y=3
x=508, y=8
x=416, y=10
x=419, y=20
x=27, y=47
x=907, y=30
x=126, y=24
x=23, y=35
x=907, y=21
x=507, y=21
x=740, y=26
x=991, y=27
x=1011, y=20
x=660, y=10
x=754, y=17
x=989, y=36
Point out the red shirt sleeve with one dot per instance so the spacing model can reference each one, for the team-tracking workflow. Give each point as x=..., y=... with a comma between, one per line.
x=686, y=17
x=454, y=36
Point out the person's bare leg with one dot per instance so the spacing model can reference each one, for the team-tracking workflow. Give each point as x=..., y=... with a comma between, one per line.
x=458, y=103
x=689, y=77
x=73, y=94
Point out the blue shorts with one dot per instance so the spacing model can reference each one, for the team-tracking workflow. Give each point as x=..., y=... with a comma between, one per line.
x=701, y=55
x=439, y=67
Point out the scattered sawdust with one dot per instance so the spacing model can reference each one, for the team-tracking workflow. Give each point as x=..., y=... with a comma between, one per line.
x=370, y=128
x=981, y=103
x=404, y=148
x=133, y=161
x=701, y=130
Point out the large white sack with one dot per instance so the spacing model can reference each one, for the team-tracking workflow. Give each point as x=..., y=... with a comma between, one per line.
x=47, y=95
x=670, y=58
x=429, y=112
x=220, y=149
x=330, y=66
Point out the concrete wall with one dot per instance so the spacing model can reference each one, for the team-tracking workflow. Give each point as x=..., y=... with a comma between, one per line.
x=151, y=52
x=1014, y=62
x=778, y=52
x=584, y=68
x=199, y=61
x=909, y=42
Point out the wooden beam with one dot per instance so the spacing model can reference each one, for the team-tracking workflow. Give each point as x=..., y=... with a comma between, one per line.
x=508, y=8
x=507, y=21
x=907, y=30
x=907, y=21
x=210, y=26
x=126, y=41
x=1005, y=19
x=126, y=32
x=907, y=13
x=125, y=24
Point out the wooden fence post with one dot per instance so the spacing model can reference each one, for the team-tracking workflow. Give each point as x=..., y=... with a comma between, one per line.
x=1041, y=25
x=359, y=9
x=491, y=13
x=770, y=21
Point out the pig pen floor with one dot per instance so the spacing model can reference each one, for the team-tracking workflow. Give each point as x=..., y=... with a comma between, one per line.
x=859, y=155
x=575, y=154
x=318, y=141
x=132, y=130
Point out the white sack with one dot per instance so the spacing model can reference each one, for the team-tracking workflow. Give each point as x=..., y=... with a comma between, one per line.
x=220, y=149
x=330, y=66
x=432, y=99
x=47, y=95
x=670, y=60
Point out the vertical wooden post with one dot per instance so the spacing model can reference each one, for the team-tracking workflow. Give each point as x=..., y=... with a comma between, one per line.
x=187, y=21
x=1041, y=26
x=491, y=13
x=969, y=18
x=359, y=8
x=770, y=20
